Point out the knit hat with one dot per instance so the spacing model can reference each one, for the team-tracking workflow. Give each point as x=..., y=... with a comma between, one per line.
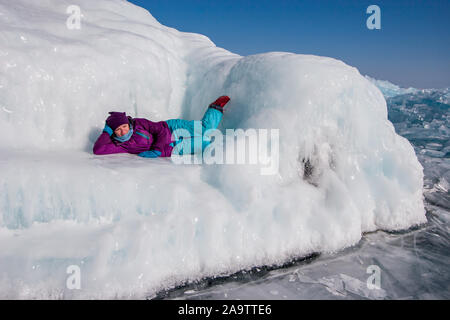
x=116, y=119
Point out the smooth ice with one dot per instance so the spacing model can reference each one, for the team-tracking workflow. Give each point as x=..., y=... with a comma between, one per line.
x=136, y=226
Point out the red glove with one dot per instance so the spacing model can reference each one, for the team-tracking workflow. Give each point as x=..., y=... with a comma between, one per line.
x=221, y=101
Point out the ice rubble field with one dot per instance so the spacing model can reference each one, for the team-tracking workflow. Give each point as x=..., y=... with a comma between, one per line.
x=135, y=226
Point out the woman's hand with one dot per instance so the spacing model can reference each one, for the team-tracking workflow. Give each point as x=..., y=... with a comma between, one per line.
x=150, y=154
x=108, y=130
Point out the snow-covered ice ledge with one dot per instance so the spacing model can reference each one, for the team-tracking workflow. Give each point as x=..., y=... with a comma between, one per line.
x=134, y=225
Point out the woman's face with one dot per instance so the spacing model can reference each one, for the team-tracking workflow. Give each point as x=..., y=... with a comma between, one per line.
x=122, y=130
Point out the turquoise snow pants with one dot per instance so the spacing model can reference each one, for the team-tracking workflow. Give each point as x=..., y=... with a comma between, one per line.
x=194, y=139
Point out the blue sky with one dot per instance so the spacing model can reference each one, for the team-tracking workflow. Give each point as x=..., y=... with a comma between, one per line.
x=412, y=48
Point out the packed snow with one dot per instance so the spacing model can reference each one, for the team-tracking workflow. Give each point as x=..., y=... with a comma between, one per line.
x=133, y=226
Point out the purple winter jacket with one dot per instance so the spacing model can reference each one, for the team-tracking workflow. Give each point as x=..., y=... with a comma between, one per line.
x=147, y=135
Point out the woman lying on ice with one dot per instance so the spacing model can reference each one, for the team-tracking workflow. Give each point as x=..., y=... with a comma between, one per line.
x=123, y=134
